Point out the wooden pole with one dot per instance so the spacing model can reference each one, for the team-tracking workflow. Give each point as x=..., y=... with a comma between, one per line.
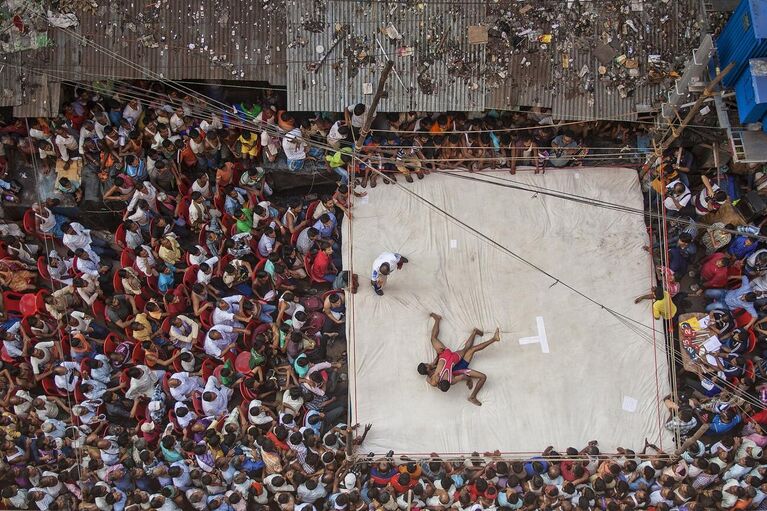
x=373, y=106
x=690, y=441
x=676, y=132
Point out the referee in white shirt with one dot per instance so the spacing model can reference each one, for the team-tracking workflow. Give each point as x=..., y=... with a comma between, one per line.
x=382, y=268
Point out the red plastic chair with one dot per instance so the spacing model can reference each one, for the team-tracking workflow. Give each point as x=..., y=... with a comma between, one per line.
x=742, y=317
x=111, y=342
x=208, y=366
x=29, y=223
x=85, y=371
x=177, y=365
x=99, y=310
x=5, y=357
x=749, y=369
x=173, y=420
x=42, y=268
x=197, y=404
x=202, y=236
x=120, y=236
x=151, y=282
x=127, y=258
x=50, y=388
x=140, y=302
x=28, y=304
x=117, y=284
x=165, y=327
x=164, y=383
x=12, y=303
x=227, y=221
x=79, y=396
x=310, y=210
x=186, y=201
x=751, y=341
x=218, y=201
x=190, y=276
x=259, y=266
x=183, y=187
x=205, y=319
x=246, y=393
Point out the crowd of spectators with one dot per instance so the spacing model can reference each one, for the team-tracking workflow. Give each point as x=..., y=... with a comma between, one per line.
x=194, y=356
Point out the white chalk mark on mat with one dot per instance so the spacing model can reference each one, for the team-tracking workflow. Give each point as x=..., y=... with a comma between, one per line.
x=538, y=339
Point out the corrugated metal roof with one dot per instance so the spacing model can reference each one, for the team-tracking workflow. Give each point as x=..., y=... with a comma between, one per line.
x=10, y=85
x=40, y=98
x=540, y=78
x=435, y=33
x=201, y=40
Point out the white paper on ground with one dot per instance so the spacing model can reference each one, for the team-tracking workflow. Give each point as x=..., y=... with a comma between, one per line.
x=630, y=404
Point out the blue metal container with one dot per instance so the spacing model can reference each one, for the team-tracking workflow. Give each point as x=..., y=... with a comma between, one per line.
x=751, y=91
x=742, y=38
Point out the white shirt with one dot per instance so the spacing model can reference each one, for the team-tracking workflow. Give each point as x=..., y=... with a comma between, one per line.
x=356, y=120
x=186, y=419
x=132, y=113
x=68, y=381
x=188, y=385
x=226, y=317
x=215, y=347
x=334, y=137
x=683, y=199
x=293, y=145
x=145, y=264
x=387, y=257
x=37, y=363
x=80, y=239
x=219, y=406
x=65, y=144
x=149, y=195
x=265, y=245
x=188, y=331
x=103, y=373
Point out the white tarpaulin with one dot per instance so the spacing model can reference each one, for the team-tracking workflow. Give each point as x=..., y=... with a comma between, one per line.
x=591, y=377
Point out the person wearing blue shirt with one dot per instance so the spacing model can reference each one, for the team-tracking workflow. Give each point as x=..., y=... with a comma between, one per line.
x=724, y=422
x=325, y=225
x=742, y=246
x=741, y=298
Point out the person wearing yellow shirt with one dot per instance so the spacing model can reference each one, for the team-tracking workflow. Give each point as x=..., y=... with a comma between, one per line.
x=663, y=306
x=141, y=328
x=170, y=250
x=249, y=145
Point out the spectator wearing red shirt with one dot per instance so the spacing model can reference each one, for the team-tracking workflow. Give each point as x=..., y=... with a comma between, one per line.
x=402, y=482
x=715, y=270
x=322, y=269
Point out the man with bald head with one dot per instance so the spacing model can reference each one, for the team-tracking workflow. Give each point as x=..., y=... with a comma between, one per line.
x=183, y=384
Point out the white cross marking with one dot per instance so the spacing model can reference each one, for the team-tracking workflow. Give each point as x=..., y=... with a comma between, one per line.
x=538, y=339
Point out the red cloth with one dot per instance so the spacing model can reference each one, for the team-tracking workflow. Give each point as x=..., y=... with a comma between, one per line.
x=712, y=275
x=320, y=266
